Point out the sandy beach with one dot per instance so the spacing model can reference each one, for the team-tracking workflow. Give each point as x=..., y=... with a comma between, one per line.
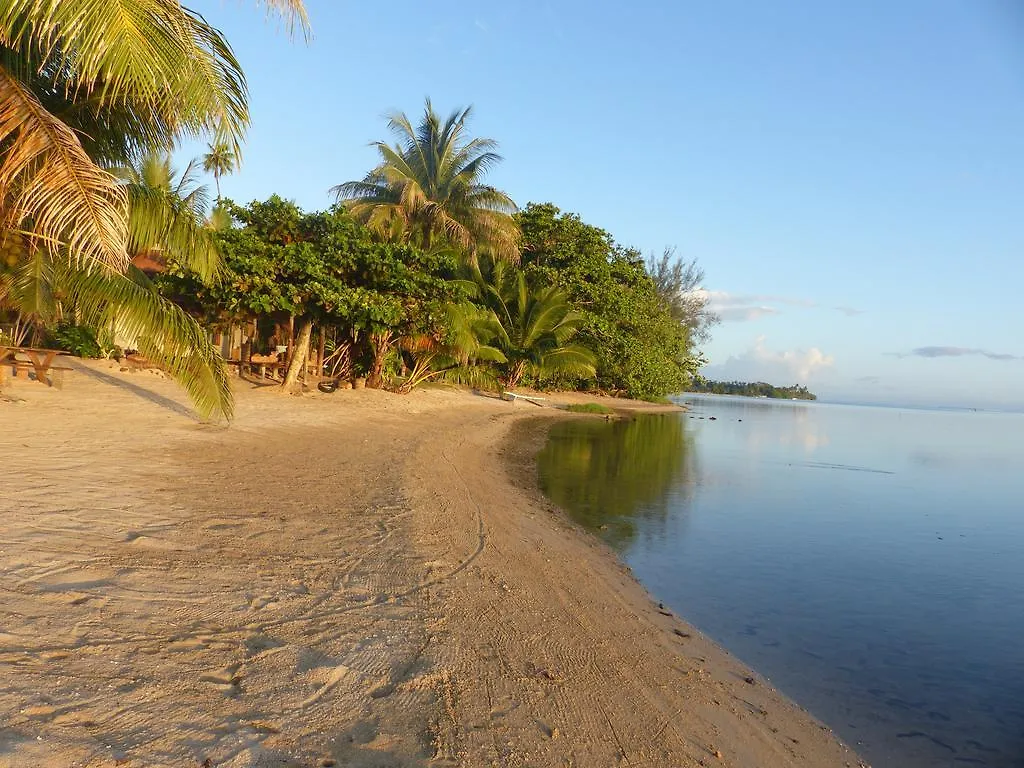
x=355, y=579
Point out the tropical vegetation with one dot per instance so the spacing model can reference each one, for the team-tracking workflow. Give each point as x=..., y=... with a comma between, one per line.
x=87, y=88
x=421, y=271
x=428, y=189
x=220, y=160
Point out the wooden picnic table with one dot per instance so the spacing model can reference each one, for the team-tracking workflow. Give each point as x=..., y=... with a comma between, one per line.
x=41, y=360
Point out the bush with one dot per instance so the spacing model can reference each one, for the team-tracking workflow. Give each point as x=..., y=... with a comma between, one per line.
x=79, y=340
x=589, y=408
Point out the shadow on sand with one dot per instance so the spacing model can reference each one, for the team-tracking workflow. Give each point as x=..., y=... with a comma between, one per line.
x=135, y=389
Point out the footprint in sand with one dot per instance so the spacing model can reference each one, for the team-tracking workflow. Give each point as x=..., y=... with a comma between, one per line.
x=186, y=644
x=226, y=680
x=261, y=602
x=257, y=643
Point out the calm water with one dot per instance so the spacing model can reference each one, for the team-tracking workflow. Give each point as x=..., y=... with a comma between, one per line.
x=869, y=561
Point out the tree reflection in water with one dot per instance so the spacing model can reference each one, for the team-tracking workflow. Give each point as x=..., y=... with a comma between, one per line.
x=621, y=476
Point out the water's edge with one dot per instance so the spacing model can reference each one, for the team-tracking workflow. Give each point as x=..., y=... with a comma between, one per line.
x=529, y=437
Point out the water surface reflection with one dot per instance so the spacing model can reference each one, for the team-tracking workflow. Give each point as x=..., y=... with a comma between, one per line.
x=869, y=561
x=616, y=477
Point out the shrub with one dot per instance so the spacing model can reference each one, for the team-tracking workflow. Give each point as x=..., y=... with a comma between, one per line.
x=79, y=340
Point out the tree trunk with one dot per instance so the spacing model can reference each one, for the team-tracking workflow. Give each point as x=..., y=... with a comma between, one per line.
x=516, y=373
x=321, y=351
x=298, y=361
x=381, y=343
x=290, y=353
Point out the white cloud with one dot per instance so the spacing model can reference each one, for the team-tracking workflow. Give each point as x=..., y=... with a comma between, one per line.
x=850, y=311
x=776, y=367
x=740, y=307
x=742, y=314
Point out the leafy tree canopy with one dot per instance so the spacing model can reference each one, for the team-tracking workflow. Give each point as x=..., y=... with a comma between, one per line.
x=641, y=348
x=322, y=266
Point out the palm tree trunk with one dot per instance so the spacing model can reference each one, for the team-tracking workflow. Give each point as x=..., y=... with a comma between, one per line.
x=216, y=180
x=515, y=373
x=298, y=361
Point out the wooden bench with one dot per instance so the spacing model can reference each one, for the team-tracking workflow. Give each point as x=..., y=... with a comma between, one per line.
x=39, y=361
x=57, y=374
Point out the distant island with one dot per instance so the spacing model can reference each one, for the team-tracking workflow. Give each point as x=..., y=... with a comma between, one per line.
x=748, y=389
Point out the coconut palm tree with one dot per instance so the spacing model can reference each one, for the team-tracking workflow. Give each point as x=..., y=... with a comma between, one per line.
x=221, y=159
x=86, y=86
x=532, y=329
x=167, y=213
x=428, y=188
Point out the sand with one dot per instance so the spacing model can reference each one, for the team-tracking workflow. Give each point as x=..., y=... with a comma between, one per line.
x=356, y=579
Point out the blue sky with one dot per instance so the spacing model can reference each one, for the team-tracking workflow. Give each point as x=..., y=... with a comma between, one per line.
x=849, y=175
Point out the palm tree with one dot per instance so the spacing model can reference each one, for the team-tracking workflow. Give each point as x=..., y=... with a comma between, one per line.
x=532, y=329
x=167, y=214
x=220, y=160
x=429, y=189
x=85, y=87
x=86, y=84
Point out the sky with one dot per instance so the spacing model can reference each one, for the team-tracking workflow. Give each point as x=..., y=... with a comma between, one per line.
x=849, y=175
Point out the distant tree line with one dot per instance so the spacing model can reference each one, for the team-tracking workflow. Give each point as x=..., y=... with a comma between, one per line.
x=750, y=389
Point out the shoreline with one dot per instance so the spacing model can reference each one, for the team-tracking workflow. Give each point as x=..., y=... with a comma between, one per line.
x=358, y=579
x=724, y=713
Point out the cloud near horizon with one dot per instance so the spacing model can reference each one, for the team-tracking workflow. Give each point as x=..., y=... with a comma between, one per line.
x=933, y=352
x=759, y=363
x=743, y=307
x=849, y=311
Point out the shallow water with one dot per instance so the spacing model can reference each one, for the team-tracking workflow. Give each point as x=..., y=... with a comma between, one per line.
x=869, y=561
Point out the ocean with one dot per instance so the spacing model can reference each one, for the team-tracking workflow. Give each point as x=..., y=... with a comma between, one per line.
x=868, y=561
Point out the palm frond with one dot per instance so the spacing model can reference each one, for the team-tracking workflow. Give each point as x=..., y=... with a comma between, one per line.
x=435, y=174
x=292, y=13
x=47, y=177
x=31, y=289
x=166, y=334
x=158, y=221
x=154, y=54
x=570, y=360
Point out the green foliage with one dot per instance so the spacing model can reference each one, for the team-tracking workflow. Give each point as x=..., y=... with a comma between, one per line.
x=589, y=408
x=428, y=189
x=220, y=159
x=323, y=267
x=755, y=389
x=79, y=340
x=657, y=400
x=282, y=261
x=531, y=330
x=678, y=284
x=641, y=349
x=166, y=213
